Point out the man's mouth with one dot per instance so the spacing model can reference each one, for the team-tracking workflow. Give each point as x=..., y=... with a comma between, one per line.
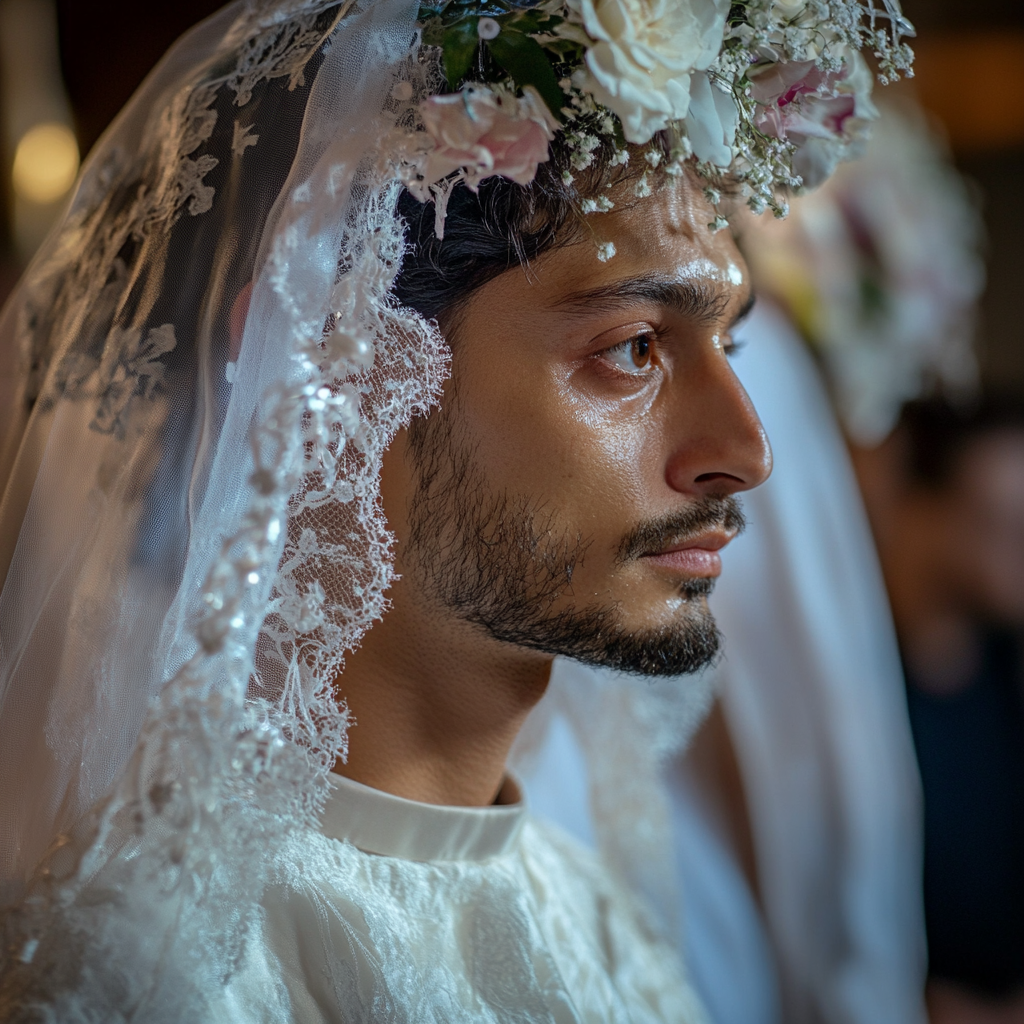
x=686, y=542
x=695, y=557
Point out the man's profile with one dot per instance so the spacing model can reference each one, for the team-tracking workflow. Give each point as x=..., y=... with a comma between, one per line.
x=571, y=494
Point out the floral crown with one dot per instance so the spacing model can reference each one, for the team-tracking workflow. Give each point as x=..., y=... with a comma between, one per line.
x=770, y=94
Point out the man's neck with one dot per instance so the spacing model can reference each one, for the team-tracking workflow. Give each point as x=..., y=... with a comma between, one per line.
x=436, y=707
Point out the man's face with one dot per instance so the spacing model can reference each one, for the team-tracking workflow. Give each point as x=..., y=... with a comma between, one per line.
x=573, y=492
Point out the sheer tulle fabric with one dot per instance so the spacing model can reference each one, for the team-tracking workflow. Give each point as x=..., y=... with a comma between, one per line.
x=198, y=376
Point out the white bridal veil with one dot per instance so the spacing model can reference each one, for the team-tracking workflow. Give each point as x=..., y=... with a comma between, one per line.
x=200, y=372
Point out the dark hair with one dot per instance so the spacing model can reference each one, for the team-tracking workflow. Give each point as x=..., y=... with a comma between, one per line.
x=938, y=432
x=505, y=224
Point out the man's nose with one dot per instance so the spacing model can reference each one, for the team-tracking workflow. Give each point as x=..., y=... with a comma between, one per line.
x=719, y=445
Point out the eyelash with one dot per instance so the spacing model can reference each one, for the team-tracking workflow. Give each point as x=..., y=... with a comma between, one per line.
x=646, y=338
x=650, y=339
x=734, y=348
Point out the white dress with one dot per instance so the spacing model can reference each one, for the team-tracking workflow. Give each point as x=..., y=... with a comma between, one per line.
x=409, y=912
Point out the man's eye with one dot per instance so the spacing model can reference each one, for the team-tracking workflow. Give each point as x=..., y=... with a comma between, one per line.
x=633, y=355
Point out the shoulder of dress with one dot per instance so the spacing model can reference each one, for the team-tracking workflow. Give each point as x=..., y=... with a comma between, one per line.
x=548, y=850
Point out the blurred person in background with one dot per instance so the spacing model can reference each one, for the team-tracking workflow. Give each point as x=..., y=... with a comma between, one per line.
x=793, y=824
x=946, y=497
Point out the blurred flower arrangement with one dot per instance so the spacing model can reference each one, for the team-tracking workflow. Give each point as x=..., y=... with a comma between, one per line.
x=769, y=93
x=881, y=271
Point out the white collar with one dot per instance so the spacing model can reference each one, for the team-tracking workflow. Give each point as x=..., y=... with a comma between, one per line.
x=381, y=823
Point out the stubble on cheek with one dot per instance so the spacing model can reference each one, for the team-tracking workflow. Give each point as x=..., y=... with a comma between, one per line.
x=505, y=563
x=477, y=548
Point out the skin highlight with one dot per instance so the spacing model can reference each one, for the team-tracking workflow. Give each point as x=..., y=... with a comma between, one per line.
x=598, y=398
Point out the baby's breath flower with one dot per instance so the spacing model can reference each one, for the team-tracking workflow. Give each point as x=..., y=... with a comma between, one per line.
x=757, y=204
x=488, y=28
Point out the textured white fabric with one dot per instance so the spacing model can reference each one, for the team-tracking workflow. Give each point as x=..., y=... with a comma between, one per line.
x=511, y=921
x=812, y=689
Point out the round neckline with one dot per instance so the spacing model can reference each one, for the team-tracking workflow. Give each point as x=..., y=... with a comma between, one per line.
x=391, y=826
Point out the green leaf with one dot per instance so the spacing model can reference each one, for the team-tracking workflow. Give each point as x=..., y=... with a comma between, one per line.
x=567, y=50
x=532, y=22
x=460, y=43
x=525, y=60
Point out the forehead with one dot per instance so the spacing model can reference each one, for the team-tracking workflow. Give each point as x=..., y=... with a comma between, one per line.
x=666, y=235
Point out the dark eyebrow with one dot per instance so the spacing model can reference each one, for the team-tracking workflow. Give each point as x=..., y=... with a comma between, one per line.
x=699, y=301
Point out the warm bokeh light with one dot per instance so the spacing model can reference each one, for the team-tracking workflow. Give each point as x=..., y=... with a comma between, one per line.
x=974, y=82
x=45, y=163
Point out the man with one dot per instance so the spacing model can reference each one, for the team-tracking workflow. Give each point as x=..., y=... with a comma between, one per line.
x=536, y=513
x=238, y=342
x=570, y=496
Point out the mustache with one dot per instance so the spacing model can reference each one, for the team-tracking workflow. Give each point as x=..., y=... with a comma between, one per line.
x=706, y=514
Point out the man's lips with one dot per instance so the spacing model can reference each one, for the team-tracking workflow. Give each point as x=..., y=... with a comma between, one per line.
x=694, y=557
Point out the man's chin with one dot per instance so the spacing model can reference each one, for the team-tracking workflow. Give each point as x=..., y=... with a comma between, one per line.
x=687, y=643
x=674, y=651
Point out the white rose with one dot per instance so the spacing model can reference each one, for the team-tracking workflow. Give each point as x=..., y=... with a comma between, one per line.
x=789, y=8
x=643, y=53
x=711, y=122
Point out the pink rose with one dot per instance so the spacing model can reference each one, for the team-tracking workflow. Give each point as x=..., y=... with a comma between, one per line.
x=822, y=112
x=783, y=82
x=799, y=99
x=482, y=133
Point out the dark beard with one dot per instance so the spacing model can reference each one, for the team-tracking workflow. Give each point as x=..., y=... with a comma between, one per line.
x=500, y=562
